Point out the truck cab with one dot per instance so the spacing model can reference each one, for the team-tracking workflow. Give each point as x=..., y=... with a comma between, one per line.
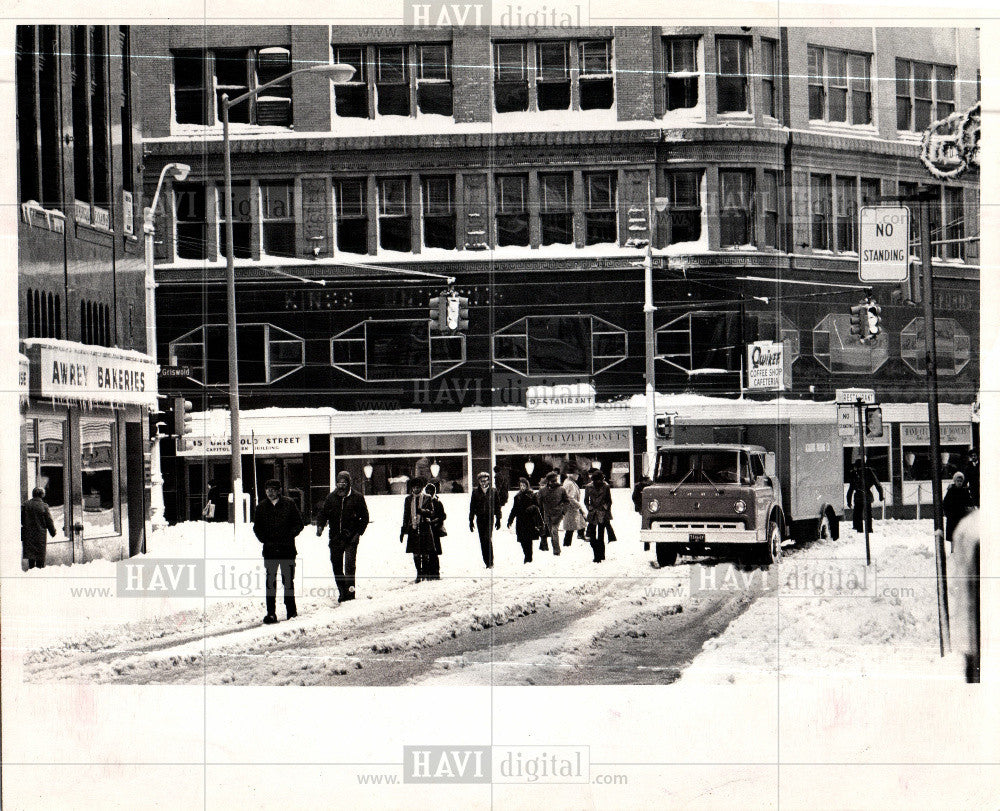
x=714, y=499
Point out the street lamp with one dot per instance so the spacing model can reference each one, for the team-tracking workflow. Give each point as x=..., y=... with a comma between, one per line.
x=654, y=206
x=179, y=171
x=337, y=73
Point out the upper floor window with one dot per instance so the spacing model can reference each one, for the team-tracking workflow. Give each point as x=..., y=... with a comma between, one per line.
x=38, y=118
x=954, y=347
x=555, y=208
x=769, y=78
x=559, y=346
x=600, y=212
x=553, y=75
x=190, y=221
x=395, y=349
x=394, y=80
x=924, y=93
x=277, y=211
x=202, y=77
x=821, y=212
x=266, y=353
x=95, y=323
x=733, y=82
x=91, y=125
x=701, y=341
x=680, y=64
x=394, y=214
x=352, y=215
x=684, y=192
x=44, y=314
x=736, y=208
x=947, y=221
x=770, y=210
x=242, y=221
x=511, y=209
x=835, y=210
x=839, y=86
x=841, y=352
x=438, y=198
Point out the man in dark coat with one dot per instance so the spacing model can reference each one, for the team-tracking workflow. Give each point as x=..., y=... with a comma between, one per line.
x=972, y=477
x=346, y=512
x=527, y=515
x=640, y=485
x=863, y=478
x=554, y=502
x=957, y=504
x=484, y=513
x=36, y=521
x=597, y=500
x=423, y=525
x=276, y=524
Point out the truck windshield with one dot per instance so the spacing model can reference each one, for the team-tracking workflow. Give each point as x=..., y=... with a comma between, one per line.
x=716, y=467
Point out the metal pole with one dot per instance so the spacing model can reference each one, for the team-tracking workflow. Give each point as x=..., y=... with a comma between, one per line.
x=866, y=492
x=932, y=414
x=234, y=382
x=156, y=505
x=648, y=310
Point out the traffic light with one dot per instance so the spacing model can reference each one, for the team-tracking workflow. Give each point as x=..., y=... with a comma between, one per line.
x=873, y=320
x=859, y=321
x=439, y=312
x=457, y=314
x=161, y=418
x=664, y=426
x=182, y=416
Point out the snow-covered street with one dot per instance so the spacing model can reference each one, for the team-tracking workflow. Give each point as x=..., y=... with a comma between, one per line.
x=558, y=620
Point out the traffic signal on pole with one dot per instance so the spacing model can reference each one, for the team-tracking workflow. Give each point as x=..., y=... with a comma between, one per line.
x=859, y=321
x=664, y=426
x=873, y=320
x=457, y=313
x=182, y=416
x=161, y=419
x=438, y=313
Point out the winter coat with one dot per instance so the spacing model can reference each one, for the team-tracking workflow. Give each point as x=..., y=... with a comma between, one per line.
x=957, y=504
x=861, y=488
x=971, y=472
x=554, y=503
x=485, y=505
x=276, y=527
x=36, y=520
x=425, y=537
x=347, y=516
x=598, y=502
x=573, y=520
x=527, y=515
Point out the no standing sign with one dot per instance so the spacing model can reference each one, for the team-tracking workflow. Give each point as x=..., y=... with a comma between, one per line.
x=885, y=244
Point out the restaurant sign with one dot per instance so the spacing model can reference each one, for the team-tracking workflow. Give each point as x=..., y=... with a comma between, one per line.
x=917, y=433
x=597, y=439
x=72, y=372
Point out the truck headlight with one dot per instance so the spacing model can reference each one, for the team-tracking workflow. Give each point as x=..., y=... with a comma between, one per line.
x=654, y=505
x=740, y=506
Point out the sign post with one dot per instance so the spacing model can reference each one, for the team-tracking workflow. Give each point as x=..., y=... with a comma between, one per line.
x=885, y=244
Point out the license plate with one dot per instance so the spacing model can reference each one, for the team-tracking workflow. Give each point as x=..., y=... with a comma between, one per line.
x=696, y=537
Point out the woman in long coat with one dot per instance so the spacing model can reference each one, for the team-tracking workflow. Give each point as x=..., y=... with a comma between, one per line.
x=573, y=520
x=525, y=512
x=957, y=504
x=423, y=526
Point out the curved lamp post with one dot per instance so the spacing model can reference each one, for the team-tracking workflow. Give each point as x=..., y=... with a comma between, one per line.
x=337, y=73
x=179, y=171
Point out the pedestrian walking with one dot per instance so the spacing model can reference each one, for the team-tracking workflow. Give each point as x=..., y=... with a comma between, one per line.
x=346, y=512
x=573, y=520
x=526, y=517
x=640, y=485
x=554, y=503
x=36, y=528
x=972, y=477
x=862, y=480
x=597, y=500
x=957, y=504
x=276, y=524
x=484, y=513
x=423, y=526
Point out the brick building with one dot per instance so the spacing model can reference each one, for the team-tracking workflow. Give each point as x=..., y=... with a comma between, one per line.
x=86, y=382
x=524, y=164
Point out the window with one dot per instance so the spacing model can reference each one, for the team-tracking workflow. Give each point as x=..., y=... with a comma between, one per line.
x=736, y=210
x=847, y=214
x=908, y=189
x=600, y=215
x=512, y=209
x=242, y=221
x=80, y=78
x=38, y=119
x=733, y=84
x=769, y=77
x=95, y=323
x=392, y=350
x=439, y=212
x=544, y=75
x=840, y=352
x=101, y=513
x=128, y=156
x=555, y=209
x=839, y=86
x=560, y=346
x=684, y=192
x=91, y=130
x=701, y=341
x=924, y=93
x=278, y=217
x=954, y=347
x=352, y=215
x=954, y=230
x=266, y=353
x=385, y=85
x=820, y=211
x=191, y=222
x=597, y=87
x=202, y=77
x=44, y=314
x=770, y=207
x=394, y=214
x=680, y=64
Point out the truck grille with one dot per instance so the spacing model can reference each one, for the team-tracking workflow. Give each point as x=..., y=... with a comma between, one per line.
x=698, y=525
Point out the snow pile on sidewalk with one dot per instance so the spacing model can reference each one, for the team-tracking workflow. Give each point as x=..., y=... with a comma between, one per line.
x=833, y=616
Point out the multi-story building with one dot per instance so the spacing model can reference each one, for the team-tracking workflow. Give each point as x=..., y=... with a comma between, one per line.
x=86, y=381
x=529, y=165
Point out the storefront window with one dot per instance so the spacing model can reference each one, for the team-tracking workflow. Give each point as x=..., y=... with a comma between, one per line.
x=98, y=454
x=879, y=460
x=382, y=464
x=956, y=439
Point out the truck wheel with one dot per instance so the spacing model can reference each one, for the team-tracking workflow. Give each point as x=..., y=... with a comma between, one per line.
x=666, y=555
x=771, y=551
x=824, y=533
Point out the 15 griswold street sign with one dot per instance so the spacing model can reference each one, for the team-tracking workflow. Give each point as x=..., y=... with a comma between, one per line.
x=885, y=244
